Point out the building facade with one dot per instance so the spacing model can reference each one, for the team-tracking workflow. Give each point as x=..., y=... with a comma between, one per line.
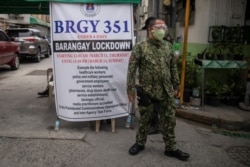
x=38, y=21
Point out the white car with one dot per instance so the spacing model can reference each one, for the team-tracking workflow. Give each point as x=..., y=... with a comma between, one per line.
x=33, y=43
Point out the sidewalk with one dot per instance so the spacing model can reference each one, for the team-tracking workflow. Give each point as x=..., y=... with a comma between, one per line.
x=27, y=132
x=224, y=116
x=28, y=137
x=19, y=101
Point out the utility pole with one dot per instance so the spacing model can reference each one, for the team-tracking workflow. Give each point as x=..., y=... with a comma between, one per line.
x=187, y=14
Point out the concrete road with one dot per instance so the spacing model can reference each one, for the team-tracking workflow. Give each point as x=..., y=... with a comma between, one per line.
x=27, y=138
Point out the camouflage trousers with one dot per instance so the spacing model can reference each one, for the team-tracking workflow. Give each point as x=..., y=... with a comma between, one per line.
x=166, y=110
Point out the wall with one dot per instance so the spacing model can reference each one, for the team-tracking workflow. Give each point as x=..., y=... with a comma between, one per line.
x=227, y=12
x=197, y=33
x=12, y=20
x=211, y=13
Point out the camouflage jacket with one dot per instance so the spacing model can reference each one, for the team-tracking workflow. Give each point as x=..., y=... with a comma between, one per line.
x=157, y=68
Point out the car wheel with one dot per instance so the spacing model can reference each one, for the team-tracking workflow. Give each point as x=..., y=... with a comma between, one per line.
x=38, y=56
x=16, y=63
x=48, y=52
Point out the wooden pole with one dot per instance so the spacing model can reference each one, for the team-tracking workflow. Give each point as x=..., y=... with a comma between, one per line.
x=187, y=14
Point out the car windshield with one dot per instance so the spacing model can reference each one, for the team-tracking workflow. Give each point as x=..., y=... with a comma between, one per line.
x=19, y=33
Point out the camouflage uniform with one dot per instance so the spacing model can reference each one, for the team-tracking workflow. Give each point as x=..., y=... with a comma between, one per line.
x=158, y=75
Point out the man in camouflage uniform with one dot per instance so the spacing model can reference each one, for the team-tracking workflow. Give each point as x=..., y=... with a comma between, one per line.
x=154, y=127
x=158, y=83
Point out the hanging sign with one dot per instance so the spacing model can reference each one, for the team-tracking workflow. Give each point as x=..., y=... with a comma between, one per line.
x=91, y=49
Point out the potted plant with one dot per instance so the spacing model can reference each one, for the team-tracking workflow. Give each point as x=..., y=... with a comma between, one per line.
x=208, y=54
x=192, y=79
x=214, y=52
x=236, y=51
x=235, y=88
x=217, y=51
x=214, y=91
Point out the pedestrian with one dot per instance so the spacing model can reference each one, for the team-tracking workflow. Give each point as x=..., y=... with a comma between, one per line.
x=158, y=83
x=154, y=126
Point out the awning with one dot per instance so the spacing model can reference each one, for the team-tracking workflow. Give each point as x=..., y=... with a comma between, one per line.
x=23, y=7
x=37, y=21
x=90, y=1
x=42, y=6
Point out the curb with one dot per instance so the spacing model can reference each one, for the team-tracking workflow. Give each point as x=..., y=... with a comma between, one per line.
x=213, y=120
x=61, y=134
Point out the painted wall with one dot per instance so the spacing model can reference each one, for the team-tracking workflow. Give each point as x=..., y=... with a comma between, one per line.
x=227, y=12
x=197, y=33
x=211, y=13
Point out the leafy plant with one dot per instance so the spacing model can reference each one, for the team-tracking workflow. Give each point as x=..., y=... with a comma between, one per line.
x=192, y=75
x=176, y=46
x=215, y=87
x=235, y=86
x=214, y=52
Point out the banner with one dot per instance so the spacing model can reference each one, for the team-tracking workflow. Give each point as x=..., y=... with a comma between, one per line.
x=91, y=49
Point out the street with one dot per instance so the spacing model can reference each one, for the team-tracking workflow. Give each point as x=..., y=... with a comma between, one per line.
x=28, y=139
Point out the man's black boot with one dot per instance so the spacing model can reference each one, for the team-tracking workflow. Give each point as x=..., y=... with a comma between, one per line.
x=44, y=93
x=178, y=154
x=135, y=149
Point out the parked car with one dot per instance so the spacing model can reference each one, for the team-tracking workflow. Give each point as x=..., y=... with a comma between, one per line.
x=9, y=51
x=33, y=43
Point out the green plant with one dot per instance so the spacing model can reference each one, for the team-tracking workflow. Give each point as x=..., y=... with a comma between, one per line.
x=207, y=53
x=239, y=52
x=237, y=48
x=176, y=46
x=215, y=87
x=214, y=52
x=235, y=86
x=192, y=75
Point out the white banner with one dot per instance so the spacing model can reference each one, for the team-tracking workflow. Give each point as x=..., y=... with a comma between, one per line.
x=91, y=49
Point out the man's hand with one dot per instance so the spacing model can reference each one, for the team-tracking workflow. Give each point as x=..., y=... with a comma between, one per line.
x=131, y=98
x=177, y=92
